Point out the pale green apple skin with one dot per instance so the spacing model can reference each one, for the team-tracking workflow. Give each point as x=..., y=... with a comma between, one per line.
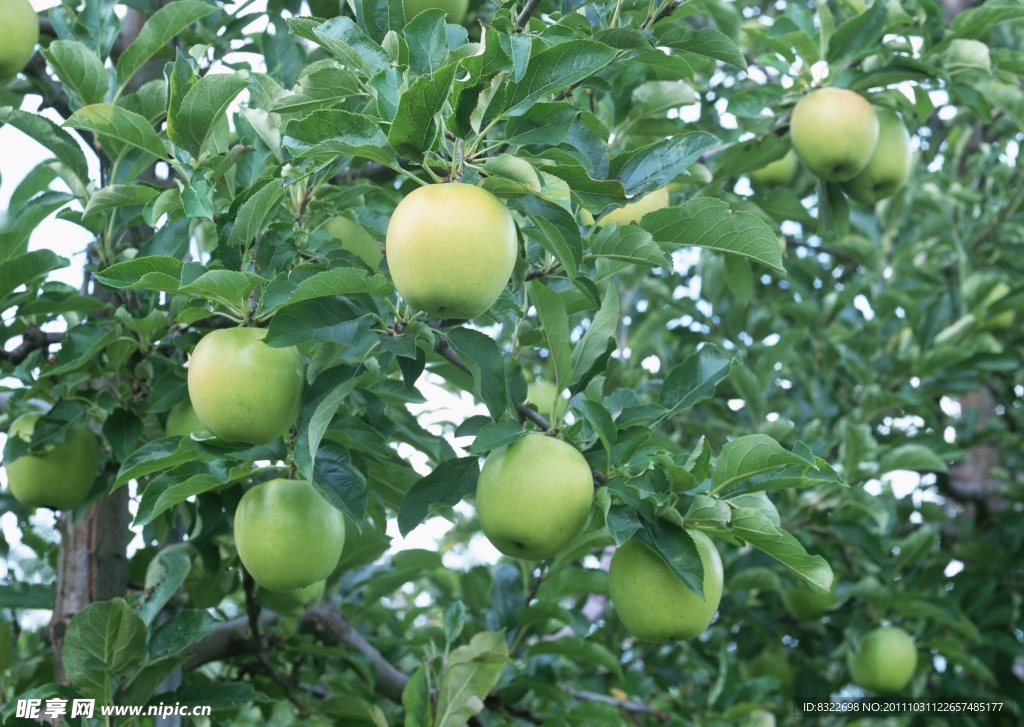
x=451, y=249
x=20, y=35
x=548, y=400
x=834, y=132
x=456, y=9
x=655, y=605
x=291, y=603
x=890, y=165
x=635, y=211
x=356, y=240
x=287, y=535
x=182, y=420
x=534, y=496
x=59, y=479
x=780, y=172
x=805, y=605
x=885, y=661
x=242, y=389
x=759, y=718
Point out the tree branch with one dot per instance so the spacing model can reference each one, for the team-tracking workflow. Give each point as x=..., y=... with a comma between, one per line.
x=227, y=640
x=624, y=704
x=525, y=412
x=33, y=339
x=524, y=16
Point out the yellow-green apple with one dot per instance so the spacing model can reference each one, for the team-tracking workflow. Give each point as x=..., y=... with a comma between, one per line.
x=19, y=34
x=288, y=536
x=779, y=172
x=294, y=602
x=834, y=132
x=890, y=164
x=806, y=605
x=242, y=389
x=884, y=661
x=534, y=496
x=355, y=239
x=652, y=602
x=451, y=249
x=633, y=211
x=547, y=398
x=182, y=420
x=59, y=478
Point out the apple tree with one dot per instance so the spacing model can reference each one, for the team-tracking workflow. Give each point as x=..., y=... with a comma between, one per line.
x=728, y=292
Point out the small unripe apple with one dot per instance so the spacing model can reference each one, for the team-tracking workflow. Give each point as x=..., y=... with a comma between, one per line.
x=451, y=249
x=884, y=661
x=547, y=398
x=291, y=603
x=890, y=164
x=242, y=389
x=771, y=662
x=58, y=479
x=759, y=718
x=834, y=131
x=355, y=239
x=456, y=9
x=652, y=602
x=19, y=34
x=534, y=496
x=287, y=535
x=633, y=211
x=182, y=420
x=805, y=605
x=779, y=172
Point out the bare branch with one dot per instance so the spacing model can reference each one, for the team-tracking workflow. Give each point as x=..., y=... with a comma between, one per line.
x=525, y=412
x=227, y=640
x=524, y=16
x=33, y=339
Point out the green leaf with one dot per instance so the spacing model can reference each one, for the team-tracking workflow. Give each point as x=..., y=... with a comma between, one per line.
x=494, y=435
x=169, y=489
x=342, y=281
x=707, y=222
x=161, y=28
x=20, y=595
x=556, y=68
x=858, y=35
x=254, y=213
x=342, y=37
x=749, y=456
x=103, y=639
x=972, y=23
x=580, y=650
x=473, y=671
x=217, y=695
x=79, y=69
x=165, y=574
x=706, y=42
x=155, y=456
x=755, y=527
x=415, y=127
x=916, y=457
x=116, y=196
x=340, y=482
x=483, y=357
x=595, y=341
x=320, y=403
x=653, y=166
x=230, y=287
x=428, y=42
x=203, y=106
x=120, y=124
x=708, y=511
x=695, y=379
x=381, y=16
x=628, y=244
x=601, y=420
x=416, y=700
x=450, y=481
x=21, y=269
x=152, y=272
x=552, y=315
x=54, y=138
x=674, y=546
x=330, y=133
x=320, y=319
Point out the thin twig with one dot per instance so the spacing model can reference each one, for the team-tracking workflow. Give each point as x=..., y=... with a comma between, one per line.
x=525, y=412
x=624, y=704
x=33, y=339
x=524, y=16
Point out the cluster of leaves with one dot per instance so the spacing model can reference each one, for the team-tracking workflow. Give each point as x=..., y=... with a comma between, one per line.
x=840, y=364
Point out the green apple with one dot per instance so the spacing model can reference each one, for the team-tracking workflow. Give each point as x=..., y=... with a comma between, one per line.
x=884, y=661
x=890, y=164
x=771, y=662
x=806, y=605
x=242, y=389
x=288, y=536
x=18, y=36
x=652, y=602
x=182, y=420
x=451, y=249
x=534, y=496
x=59, y=478
x=633, y=211
x=456, y=9
x=759, y=718
x=548, y=400
x=355, y=239
x=834, y=132
x=324, y=8
x=294, y=602
x=779, y=172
